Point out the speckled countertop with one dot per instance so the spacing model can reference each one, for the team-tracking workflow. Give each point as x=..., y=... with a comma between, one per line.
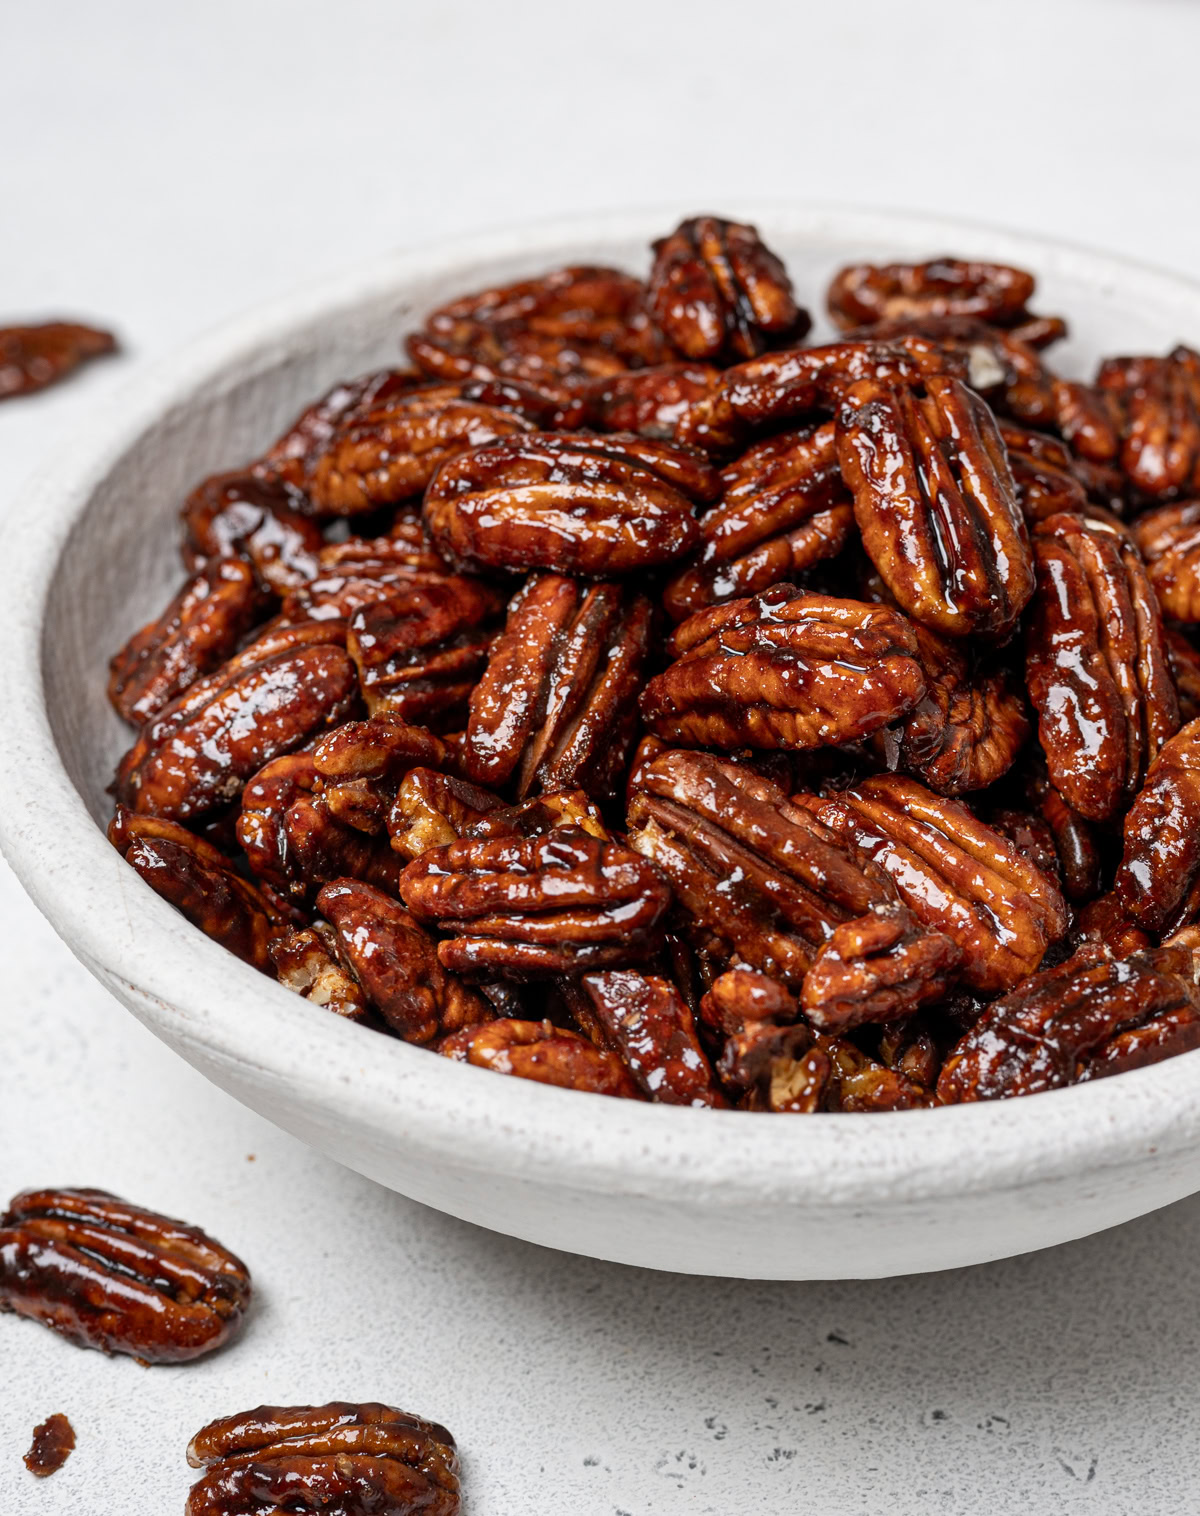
x=164, y=168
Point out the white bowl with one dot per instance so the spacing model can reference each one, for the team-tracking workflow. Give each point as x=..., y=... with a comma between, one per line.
x=92, y=551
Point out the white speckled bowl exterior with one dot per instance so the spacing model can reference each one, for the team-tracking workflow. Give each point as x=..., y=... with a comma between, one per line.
x=92, y=551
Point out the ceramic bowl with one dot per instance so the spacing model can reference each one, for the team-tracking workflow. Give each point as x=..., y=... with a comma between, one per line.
x=92, y=552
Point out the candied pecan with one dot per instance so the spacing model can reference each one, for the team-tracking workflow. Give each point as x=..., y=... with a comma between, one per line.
x=1074, y=838
x=304, y=963
x=782, y=669
x=242, y=515
x=432, y=809
x=396, y=962
x=53, y=1443
x=32, y=357
x=1040, y=331
x=967, y=728
x=556, y=706
x=110, y=1275
x=420, y=652
x=1043, y=472
x=875, y=968
x=365, y=570
x=1169, y=540
x=1095, y=664
x=741, y=997
x=290, y=457
x=862, y=293
x=1157, y=405
x=784, y=508
x=650, y=1026
x=198, y=752
x=910, y=1047
x=562, y=902
x=858, y=1082
x=1106, y=921
x=1183, y=659
x=577, y=504
x=1032, y=836
x=360, y=765
x=957, y=875
x=718, y=292
x=756, y=874
x=935, y=501
x=536, y=817
x=1092, y=1015
x=344, y=1459
x=196, y=633
x=775, y=1068
x=199, y=882
x=541, y=1051
x=1158, y=881
x=1089, y=421
x=649, y=401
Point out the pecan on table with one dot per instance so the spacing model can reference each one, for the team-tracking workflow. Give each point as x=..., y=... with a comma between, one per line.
x=543, y=1052
x=1095, y=663
x=1158, y=881
x=582, y=504
x=396, y=962
x=784, y=508
x=110, y=1275
x=957, y=875
x=719, y=293
x=557, y=704
x=1183, y=660
x=53, y=1443
x=935, y=501
x=196, y=633
x=340, y=1458
x=242, y=515
x=784, y=669
x=199, y=882
x=562, y=902
x=32, y=357
x=1091, y=1016
x=649, y=401
x=649, y=1025
x=1156, y=403
x=1169, y=540
x=862, y=293
x=1043, y=471
x=432, y=809
x=306, y=963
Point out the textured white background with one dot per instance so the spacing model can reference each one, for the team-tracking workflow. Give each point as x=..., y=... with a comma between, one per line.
x=162, y=167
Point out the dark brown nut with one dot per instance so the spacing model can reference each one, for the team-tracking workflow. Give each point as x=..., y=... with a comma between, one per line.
x=957, y=875
x=935, y=501
x=1105, y=922
x=648, y=1023
x=541, y=1051
x=396, y=962
x=757, y=875
x=876, y=968
x=775, y=1068
x=196, y=633
x=304, y=963
x=857, y=1082
x=966, y=730
x=1040, y=331
x=197, y=754
x=743, y=997
x=420, y=652
x=649, y=401
x=110, y=1275
x=32, y=357
x=1089, y=421
x=200, y=882
x=241, y=515
x=1157, y=401
x=291, y=457
x=1158, y=881
x=1032, y=836
x=556, y=706
x=911, y=1047
x=1043, y=472
x=783, y=669
x=863, y=293
x=801, y=385
x=1169, y=540
x=1095, y=664
x=53, y=1443
x=1079, y=1020
x=564, y=902
x=784, y=508
x=1183, y=660
x=365, y=570
x=343, y=1459
x=432, y=809
x=1075, y=840
x=557, y=333
x=719, y=293
x=360, y=766
x=542, y=814
x=576, y=504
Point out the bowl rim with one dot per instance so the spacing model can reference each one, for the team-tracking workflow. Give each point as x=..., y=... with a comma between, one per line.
x=191, y=991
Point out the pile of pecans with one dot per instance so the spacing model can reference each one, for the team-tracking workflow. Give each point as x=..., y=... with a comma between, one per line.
x=632, y=698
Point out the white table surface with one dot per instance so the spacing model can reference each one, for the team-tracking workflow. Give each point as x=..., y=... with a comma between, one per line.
x=162, y=167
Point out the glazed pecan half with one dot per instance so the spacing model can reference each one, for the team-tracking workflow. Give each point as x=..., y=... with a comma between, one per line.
x=1169, y=541
x=291, y=457
x=243, y=515
x=782, y=669
x=936, y=504
x=863, y=293
x=1157, y=405
x=556, y=706
x=576, y=504
x=649, y=401
x=1095, y=663
x=1043, y=472
x=343, y=1459
x=562, y=902
x=362, y=570
x=110, y=1275
x=432, y=809
x=1158, y=881
x=649, y=1024
x=719, y=293
x=32, y=357
x=541, y=1051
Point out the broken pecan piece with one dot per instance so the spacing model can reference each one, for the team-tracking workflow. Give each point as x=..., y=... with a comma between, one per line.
x=32, y=357
x=863, y=293
x=110, y=1275
x=541, y=1051
x=858, y=1082
x=650, y=1026
x=1169, y=540
x=242, y=515
x=768, y=1061
x=1095, y=663
x=1158, y=881
x=343, y=1459
x=432, y=809
x=305, y=964
x=576, y=504
x=783, y=669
